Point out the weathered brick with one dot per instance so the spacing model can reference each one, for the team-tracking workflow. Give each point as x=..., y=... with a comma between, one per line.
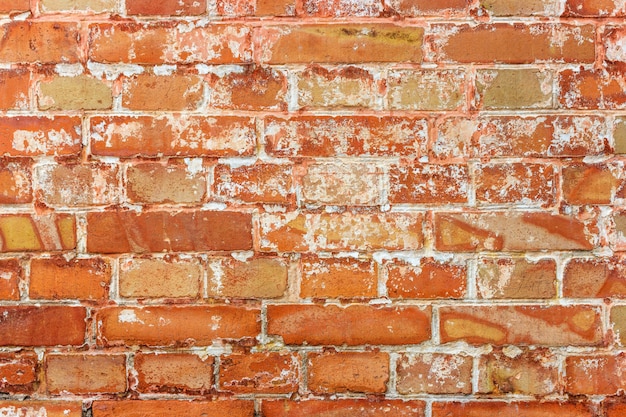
x=85, y=373
x=10, y=275
x=346, y=231
x=164, y=408
x=338, y=277
x=42, y=326
x=173, y=373
x=175, y=326
x=48, y=408
x=338, y=43
x=595, y=375
x=522, y=325
x=13, y=6
x=249, y=278
x=18, y=373
x=429, y=278
x=35, y=136
x=618, y=323
x=167, y=277
x=417, y=8
x=615, y=408
x=168, y=135
x=429, y=184
x=252, y=88
x=516, y=8
x=270, y=373
x=28, y=41
x=355, y=324
x=74, y=93
x=592, y=89
x=519, y=183
x=15, y=181
x=324, y=136
x=512, y=370
x=337, y=372
x=155, y=183
x=57, y=278
x=511, y=409
x=47, y=232
x=619, y=135
x=258, y=183
x=513, y=89
x=613, y=39
x=341, y=8
x=345, y=87
x=14, y=84
x=157, y=231
x=516, y=278
x=275, y=8
x=491, y=43
x=595, y=278
x=156, y=92
x=496, y=231
x=426, y=89
x=434, y=373
x=166, y=7
x=232, y=8
x=594, y=8
x=619, y=231
x=343, y=407
x=97, y=6
x=342, y=184
x=590, y=183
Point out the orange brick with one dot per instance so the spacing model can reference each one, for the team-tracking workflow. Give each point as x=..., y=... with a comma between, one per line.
x=519, y=183
x=590, y=183
x=337, y=372
x=174, y=373
x=158, y=231
x=155, y=92
x=18, y=372
x=429, y=184
x=47, y=408
x=85, y=374
x=522, y=325
x=324, y=136
x=594, y=8
x=12, y=6
x=516, y=278
x=416, y=8
x=346, y=231
x=591, y=89
x=27, y=41
x=343, y=184
x=511, y=409
x=595, y=278
x=255, y=88
x=513, y=89
x=74, y=93
x=275, y=8
x=491, y=43
x=338, y=43
x=258, y=183
x=352, y=87
x=155, y=183
x=434, y=373
x=233, y=8
x=270, y=373
x=356, y=324
x=125, y=136
x=515, y=371
x=168, y=277
x=166, y=7
x=175, y=326
x=14, y=84
x=343, y=407
x=10, y=276
x=164, y=408
x=595, y=375
x=341, y=8
x=516, y=8
x=42, y=326
x=428, y=279
x=48, y=232
x=338, y=277
x=426, y=89
x=15, y=181
x=35, y=136
x=57, y=278
x=496, y=231
x=249, y=278
x=614, y=408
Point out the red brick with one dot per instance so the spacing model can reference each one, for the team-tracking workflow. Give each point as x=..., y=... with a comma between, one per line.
x=429, y=184
x=428, y=279
x=352, y=325
x=428, y=89
x=85, y=374
x=511, y=409
x=491, y=43
x=36, y=136
x=47, y=408
x=42, y=326
x=522, y=325
x=331, y=231
x=254, y=88
x=515, y=371
x=594, y=8
x=11, y=6
x=343, y=407
x=434, y=373
x=156, y=92
x=249, y=278
x=497, y=231
x=168, y=408
x=337, y=372
x=595, y=278
x=595, y=375
x=155, y=183
x=166, y=7
x=516, y=278
x=590, y=183
x=169, y=43
x=173, y=373
x=15, y=181
x=180, y=135
x=14, y=84
x=175, y=326
x=158, y=231
x=325, y=136
x=47, y=232
x=269, y=373
x=341, y=8
x=592, y=89
x=10, y=276
x=338, y=43
x=79, y=279
x=516, y=8
x=437, y=8
x=258, y=183
x=167, y=277
x=343, y=184
x=40, y=42
x=519, y=183
x=18, y=372
x=338, y=277
x=352, y=87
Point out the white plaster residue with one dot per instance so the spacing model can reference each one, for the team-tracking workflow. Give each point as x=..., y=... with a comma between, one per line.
x=164, y=70
x=128, y=316
x=242, y=256
x=69, y=70
x=5, y=275
x=215, y=322
x=216, y=276
x=113, y=71
x=35, y=142
x=23, y=412
x=194, y=166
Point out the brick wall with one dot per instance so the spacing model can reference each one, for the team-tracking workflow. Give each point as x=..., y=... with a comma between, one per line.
x=289, y=208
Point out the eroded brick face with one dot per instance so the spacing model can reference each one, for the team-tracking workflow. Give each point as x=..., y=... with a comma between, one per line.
x=324, y=208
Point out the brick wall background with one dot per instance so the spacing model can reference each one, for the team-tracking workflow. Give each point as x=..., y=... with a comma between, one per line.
x=288, y=208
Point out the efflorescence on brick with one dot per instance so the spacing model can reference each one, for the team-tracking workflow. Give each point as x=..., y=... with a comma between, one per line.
x=287, y=208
